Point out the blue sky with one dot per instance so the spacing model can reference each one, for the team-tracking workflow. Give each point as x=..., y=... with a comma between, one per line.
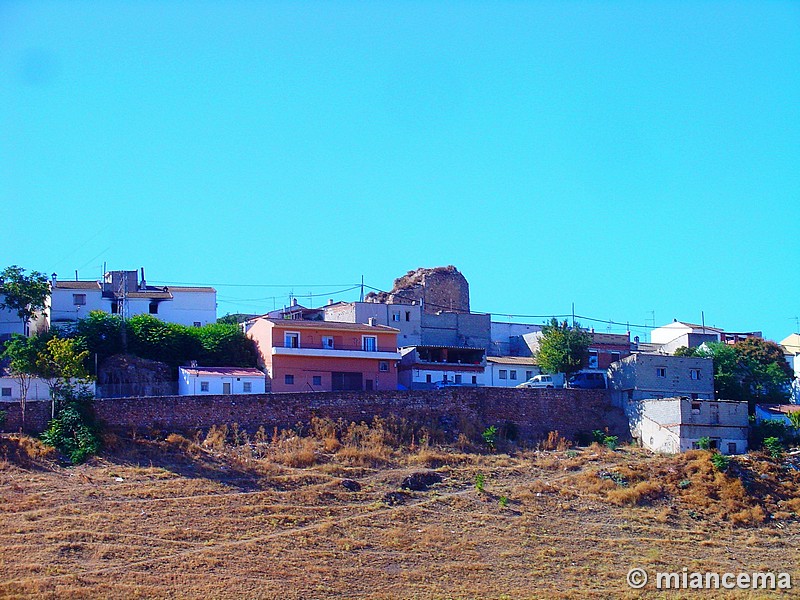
x=630, y=157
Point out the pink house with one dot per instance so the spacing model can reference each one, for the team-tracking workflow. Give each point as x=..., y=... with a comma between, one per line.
x=302, y=356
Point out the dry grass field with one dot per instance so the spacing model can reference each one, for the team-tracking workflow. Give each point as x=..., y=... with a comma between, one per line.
x=224, y=515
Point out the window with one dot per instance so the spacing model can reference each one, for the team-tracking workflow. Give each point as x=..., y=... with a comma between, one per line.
x=661, y=371
x=197, y=324
x=593, y=360
x=428, y=378
x=694, y=374
x=291, y=340
x=154, y=308
x=370, y=343
x=474, y=380
x=383, y=366
x=615, y=356
x=458, y=378
x=288, y=379
x=79, y=299
x=528, y=375
x=6, y=393
x=396, y=316
x=316, y=380
x=512, y=374
x=203, y=386
x=247, y=387
x=695, y=408
x=408, y=315
x=327, y=342
x=731, y=447
x=444, y=377
x=503, y=374
x=115, y=308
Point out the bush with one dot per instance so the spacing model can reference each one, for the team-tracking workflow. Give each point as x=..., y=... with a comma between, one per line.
x=609, y=441
x=720, y=461
x=704, y=443
x=480, y=482
x=73, y=433
x=489, y=436
x=774, y=447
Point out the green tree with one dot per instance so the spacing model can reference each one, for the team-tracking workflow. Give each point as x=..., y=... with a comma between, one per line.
x=24, y=294
x=102, y=334
x=563, y=349
x=727, y=380
x=22, y=353
x=61, y=364
x=765, y=375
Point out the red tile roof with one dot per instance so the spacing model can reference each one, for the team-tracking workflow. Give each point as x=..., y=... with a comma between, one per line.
x=77, y=285
x=223, y=371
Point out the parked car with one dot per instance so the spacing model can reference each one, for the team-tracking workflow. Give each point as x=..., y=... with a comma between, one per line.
x=587, y=381
x=555, y=380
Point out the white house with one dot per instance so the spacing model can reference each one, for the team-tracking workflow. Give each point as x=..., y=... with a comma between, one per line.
x=10, y=391
x=124, y=293
x=197, y=381
x=791, y=351
x=673, y=335
x=37, y=389
x=509, y=371
x=672, y=425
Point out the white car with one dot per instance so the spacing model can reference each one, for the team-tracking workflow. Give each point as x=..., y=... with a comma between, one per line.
x=544, y=381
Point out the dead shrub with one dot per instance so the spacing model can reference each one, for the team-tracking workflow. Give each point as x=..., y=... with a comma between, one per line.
x=554, y=441
x=792, y=505
x=294, y=452
x=24, y=450
x=216, y=438
x=642, y=493
x=375, y=456
x=748, y=516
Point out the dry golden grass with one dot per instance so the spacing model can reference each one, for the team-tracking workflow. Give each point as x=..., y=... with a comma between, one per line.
x=221, y=514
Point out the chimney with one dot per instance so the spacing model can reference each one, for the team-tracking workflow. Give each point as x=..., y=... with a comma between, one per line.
x=144, y=283
x=371, y=321
x=294, y=301
x=53, y=279
x=330, y=301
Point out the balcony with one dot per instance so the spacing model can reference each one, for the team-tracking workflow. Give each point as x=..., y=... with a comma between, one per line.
x=334, y=353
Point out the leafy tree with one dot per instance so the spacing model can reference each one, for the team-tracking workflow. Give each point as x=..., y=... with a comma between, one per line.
x=102, y=334
x=225, y=345
x=59, y=363
x=22, y=353
x=563, y=349
x=687, y=352
x=24, y=294
x=765, y=374
x=753, y=370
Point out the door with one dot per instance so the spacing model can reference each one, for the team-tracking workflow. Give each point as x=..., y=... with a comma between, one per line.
x=226, y=387
x=370, y=385
x=344, y=381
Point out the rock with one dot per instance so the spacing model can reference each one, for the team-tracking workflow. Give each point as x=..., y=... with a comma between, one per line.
x=420, y=481
x=440, y=288
x=350, y=485
x=395, y=498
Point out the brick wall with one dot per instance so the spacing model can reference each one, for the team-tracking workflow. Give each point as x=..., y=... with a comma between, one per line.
x=533, y=412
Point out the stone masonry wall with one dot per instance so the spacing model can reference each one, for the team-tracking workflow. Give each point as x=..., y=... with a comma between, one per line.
x=533, y=412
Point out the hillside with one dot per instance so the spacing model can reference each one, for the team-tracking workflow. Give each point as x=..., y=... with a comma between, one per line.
x=323, y=515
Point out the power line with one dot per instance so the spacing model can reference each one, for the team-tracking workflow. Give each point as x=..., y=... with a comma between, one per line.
x=521, y=316
x=256, y=285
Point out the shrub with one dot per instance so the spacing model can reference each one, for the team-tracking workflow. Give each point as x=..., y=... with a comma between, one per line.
x=3, y=415
x=720, y=461
x=774, y=447
x=554, y=441
x=602, y=438
x=480, y=482
x=704, y=443
x=489, y=436
x=73, y=433
x=503, y=502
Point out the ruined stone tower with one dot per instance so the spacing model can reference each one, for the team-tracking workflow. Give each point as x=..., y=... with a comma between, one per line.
x=438, y=289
